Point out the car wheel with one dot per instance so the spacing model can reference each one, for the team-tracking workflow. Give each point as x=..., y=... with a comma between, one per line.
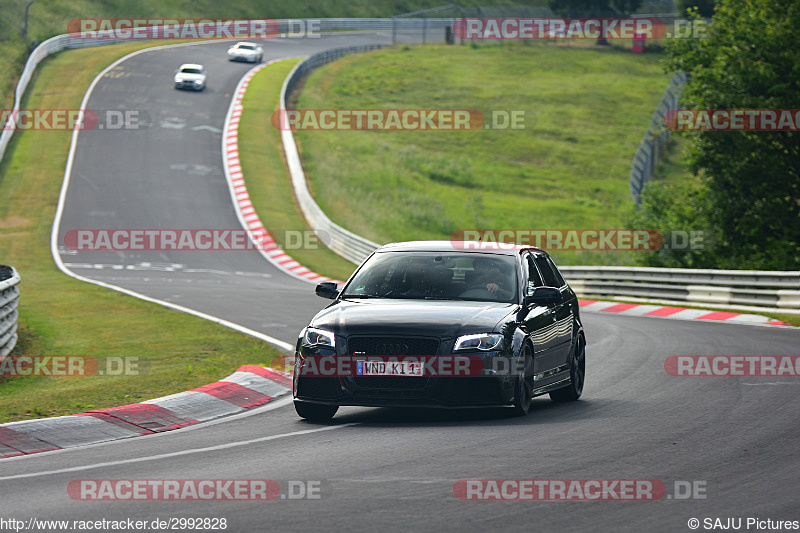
x=315, y=411
x=577, y=375
x=524, y=384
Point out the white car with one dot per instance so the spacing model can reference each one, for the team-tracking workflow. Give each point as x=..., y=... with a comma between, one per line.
x=245, y=52
x=190, y=76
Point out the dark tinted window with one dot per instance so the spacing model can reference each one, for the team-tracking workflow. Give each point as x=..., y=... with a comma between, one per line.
x=433, y=275
x=534, y=279
x=546, y=270
x=559, y=277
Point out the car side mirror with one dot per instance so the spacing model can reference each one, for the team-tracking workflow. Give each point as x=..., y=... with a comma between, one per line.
x=543, y=296
x=328, y=289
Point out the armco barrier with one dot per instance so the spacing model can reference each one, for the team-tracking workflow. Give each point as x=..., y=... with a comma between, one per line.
x=655, y=138
x=9, y=299
x=735, y=289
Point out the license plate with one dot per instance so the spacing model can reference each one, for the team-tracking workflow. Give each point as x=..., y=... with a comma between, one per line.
x=383, y=368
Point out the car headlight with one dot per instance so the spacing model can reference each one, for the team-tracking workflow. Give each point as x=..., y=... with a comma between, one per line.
x=484, y=342
x=319, y=337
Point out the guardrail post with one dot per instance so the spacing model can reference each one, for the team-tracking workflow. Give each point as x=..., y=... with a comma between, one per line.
x=9, y=301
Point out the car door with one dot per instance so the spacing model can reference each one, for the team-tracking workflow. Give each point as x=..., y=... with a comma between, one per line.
x=540, y=324
x=564, y=319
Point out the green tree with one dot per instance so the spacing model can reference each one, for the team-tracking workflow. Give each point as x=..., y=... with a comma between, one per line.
x=750, y=60
x=676, y=210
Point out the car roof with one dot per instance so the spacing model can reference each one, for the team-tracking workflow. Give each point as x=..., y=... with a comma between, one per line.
x=457, y=246
x=191, y=65
x=245, y=42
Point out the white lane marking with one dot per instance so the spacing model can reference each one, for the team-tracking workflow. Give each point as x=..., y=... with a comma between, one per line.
x=176, y=454
x=212, y=129
x=773, y=383
x=165, y=268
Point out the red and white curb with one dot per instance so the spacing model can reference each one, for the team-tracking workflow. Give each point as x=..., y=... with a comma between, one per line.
x=250, y=386
x=241, y=199
x=676, y=313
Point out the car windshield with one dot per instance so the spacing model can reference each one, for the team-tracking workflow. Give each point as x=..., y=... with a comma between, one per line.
x=245, y=47
x=191, y=71
x=436, y=276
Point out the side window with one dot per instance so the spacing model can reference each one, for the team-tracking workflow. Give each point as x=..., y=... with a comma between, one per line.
x=534, y=278
x=559, y=277
x=549, y=276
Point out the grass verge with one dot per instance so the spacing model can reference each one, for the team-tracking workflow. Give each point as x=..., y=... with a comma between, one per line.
x=63, y=316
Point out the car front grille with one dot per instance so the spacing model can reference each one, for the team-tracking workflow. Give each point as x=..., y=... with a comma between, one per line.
x=392, y=347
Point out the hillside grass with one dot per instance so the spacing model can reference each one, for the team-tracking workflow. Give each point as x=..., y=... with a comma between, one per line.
x=586, y=111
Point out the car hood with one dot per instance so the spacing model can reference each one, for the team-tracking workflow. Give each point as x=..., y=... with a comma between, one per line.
x=185, y=76
x=243, y=52
x=425, y=318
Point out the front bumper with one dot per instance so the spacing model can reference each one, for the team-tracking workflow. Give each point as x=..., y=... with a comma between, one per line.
x=434, y=392
x=189, y=85
x=248, y=58
x=479, y=384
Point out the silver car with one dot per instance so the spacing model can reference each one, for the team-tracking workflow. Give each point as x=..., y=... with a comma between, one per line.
x=245, y=52
x=190, y=76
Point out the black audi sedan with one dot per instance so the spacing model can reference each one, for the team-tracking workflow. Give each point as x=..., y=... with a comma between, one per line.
x=443, y=324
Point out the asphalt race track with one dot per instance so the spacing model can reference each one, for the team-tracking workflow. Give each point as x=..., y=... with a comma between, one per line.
x=170, y=176
x=382, y=469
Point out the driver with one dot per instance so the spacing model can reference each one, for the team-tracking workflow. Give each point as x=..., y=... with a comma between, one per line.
x=487, y=274
x=415, y=285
